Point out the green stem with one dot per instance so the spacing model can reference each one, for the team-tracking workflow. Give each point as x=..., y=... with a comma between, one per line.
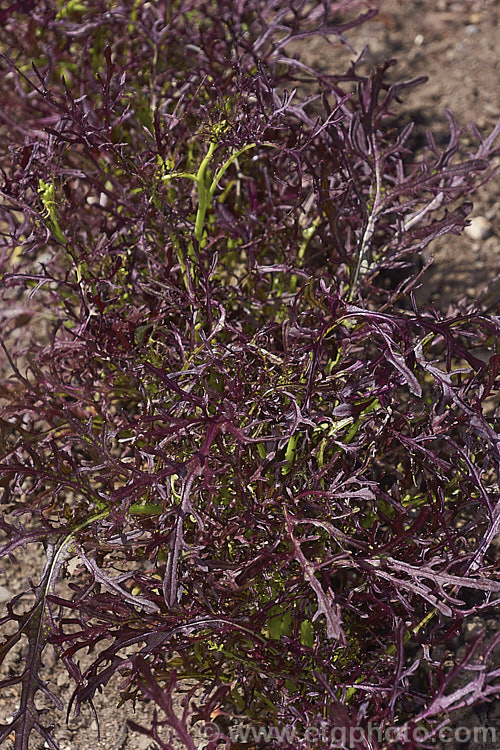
x=203, y=194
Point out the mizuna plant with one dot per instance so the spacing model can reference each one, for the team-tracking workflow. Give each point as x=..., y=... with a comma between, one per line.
x=252, y=460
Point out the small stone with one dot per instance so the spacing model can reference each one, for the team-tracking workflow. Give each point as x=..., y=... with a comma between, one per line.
x=471, y=29
x=491, y=109
x=479, y=228
x=5, y=594
x=62, y=679
x=143, y=743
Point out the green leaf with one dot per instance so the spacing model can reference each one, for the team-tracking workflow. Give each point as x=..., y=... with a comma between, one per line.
x=307, y=633
x=280, y=625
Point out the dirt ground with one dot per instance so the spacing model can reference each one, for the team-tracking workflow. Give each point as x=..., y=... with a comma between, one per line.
x=454, y=43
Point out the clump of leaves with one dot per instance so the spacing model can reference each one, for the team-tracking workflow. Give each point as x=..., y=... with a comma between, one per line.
x=252, y=460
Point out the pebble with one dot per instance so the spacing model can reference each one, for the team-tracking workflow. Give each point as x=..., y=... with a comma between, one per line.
x=5, y=594
x=62, y=679
x=479, y=228
x=143, y=743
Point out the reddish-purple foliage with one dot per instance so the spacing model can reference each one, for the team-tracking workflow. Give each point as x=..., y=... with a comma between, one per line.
x=248, y=453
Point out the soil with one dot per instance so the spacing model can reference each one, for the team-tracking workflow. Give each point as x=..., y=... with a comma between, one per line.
x=456, y=45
